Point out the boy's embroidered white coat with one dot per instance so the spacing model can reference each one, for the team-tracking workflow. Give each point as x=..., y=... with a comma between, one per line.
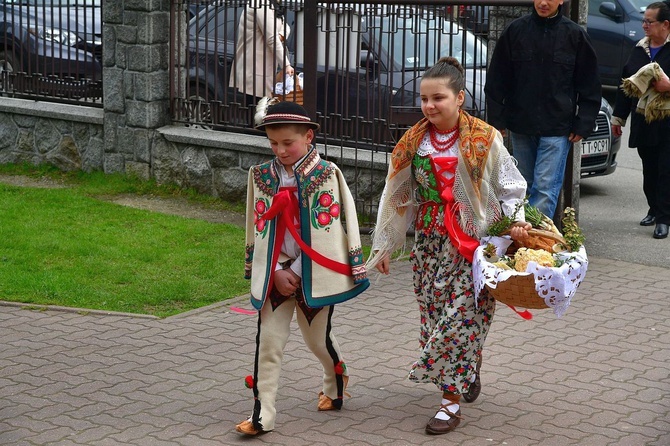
x=323, y=198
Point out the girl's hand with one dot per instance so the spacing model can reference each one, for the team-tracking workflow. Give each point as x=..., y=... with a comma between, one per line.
x=519, y=230
x=383, y=265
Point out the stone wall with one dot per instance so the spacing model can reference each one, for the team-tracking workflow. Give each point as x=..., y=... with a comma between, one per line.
x=68, y=137
x=214, y=163
x=217, y=163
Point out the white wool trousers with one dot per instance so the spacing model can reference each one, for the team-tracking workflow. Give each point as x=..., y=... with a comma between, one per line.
x=274, y=327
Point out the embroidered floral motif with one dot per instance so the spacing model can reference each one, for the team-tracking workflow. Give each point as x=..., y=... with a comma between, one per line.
x=430, y=216
x=422, y=177
x=425, y=178
x=265, y=178
x=321, y=173
x=476, y=138
x=358, y=270
x=324, y=210
x=261, y=206
x=476, y=174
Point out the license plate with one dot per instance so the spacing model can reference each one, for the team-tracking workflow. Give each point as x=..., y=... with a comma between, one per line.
x=595, y=147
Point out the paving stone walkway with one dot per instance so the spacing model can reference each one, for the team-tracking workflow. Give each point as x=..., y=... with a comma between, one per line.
x=600, y=375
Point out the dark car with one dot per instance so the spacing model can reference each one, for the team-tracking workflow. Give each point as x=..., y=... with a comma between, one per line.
x=615, y=27
x=374, y=84
x=599, y=151
x=49, y=39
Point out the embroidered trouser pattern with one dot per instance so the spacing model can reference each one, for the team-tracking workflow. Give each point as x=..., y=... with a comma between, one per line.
x=273, y=331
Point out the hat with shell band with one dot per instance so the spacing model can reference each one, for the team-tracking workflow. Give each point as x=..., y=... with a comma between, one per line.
x=287, y=113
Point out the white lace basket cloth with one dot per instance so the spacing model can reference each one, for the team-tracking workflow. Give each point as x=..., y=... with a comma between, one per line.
x=555, y=285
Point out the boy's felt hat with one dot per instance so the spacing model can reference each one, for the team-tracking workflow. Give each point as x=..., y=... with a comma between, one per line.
x=287, y=113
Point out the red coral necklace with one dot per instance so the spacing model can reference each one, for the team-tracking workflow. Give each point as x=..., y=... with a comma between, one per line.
x=441, y=146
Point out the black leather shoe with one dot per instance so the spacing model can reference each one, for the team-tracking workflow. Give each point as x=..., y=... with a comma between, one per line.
x=661, y=230
x=648, y=220
x=475, y=387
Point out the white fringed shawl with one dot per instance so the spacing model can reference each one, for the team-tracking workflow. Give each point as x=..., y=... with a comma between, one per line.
x=485, y=176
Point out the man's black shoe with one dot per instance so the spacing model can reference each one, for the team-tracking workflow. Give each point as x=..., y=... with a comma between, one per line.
x=648, y=220
x=661, y=230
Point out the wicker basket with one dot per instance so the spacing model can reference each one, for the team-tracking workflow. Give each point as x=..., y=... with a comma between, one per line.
x=294, y=96
x=519, y=290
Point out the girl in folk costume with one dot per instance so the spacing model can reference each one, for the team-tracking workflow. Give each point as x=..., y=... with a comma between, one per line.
x=451, y=176
x=299, y=254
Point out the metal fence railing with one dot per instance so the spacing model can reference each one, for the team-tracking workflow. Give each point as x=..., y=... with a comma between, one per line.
x=360, y=63
x=51, y=50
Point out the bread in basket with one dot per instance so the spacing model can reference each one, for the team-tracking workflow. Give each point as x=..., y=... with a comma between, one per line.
x=543, y=273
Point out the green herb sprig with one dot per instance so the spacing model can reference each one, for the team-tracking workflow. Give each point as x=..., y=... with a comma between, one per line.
x=572, y=233
x=499, y=227
x=533, y=215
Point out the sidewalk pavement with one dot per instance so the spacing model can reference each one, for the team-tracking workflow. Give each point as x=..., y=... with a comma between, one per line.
x=600, y=375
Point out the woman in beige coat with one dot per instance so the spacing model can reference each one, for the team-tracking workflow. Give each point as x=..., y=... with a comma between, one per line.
x=260, y=50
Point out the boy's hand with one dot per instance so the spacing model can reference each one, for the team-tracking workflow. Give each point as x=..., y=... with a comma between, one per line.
x=286, y=281
x=519, y=230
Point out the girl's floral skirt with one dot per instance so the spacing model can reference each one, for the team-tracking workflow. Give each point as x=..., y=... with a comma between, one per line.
x=453, y=328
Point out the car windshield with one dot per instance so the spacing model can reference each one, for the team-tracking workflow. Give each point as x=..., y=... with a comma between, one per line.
x=418, y=43
x=640, y=5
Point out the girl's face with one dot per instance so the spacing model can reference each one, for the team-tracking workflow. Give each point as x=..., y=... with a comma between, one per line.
x=439, y=103
x=288, y=143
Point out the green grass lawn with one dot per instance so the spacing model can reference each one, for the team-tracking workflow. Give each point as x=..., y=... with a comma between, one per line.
x=65, y=247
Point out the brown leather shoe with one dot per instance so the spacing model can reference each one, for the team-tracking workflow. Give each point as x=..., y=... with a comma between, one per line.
x=326, y=403
x=247, y=428
x=475, y=387
x=436, y=426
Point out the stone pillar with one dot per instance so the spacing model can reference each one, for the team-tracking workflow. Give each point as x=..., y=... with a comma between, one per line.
x=136, y=84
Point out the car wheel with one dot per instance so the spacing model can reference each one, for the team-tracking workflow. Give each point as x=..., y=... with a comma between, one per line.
x=197, y=111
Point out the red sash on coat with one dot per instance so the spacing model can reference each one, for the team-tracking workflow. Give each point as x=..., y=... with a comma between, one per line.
x=285, y=206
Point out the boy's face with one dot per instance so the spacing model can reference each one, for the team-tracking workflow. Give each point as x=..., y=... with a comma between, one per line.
x=289, y=143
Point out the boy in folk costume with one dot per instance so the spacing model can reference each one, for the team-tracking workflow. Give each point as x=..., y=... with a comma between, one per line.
x=299, y=253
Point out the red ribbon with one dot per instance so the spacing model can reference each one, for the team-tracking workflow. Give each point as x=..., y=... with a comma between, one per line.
x=465, y=244
x=524, y=314
x=285, y=206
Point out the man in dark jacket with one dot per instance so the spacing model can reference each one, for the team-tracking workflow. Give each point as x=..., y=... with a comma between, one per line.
x=543, y=86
